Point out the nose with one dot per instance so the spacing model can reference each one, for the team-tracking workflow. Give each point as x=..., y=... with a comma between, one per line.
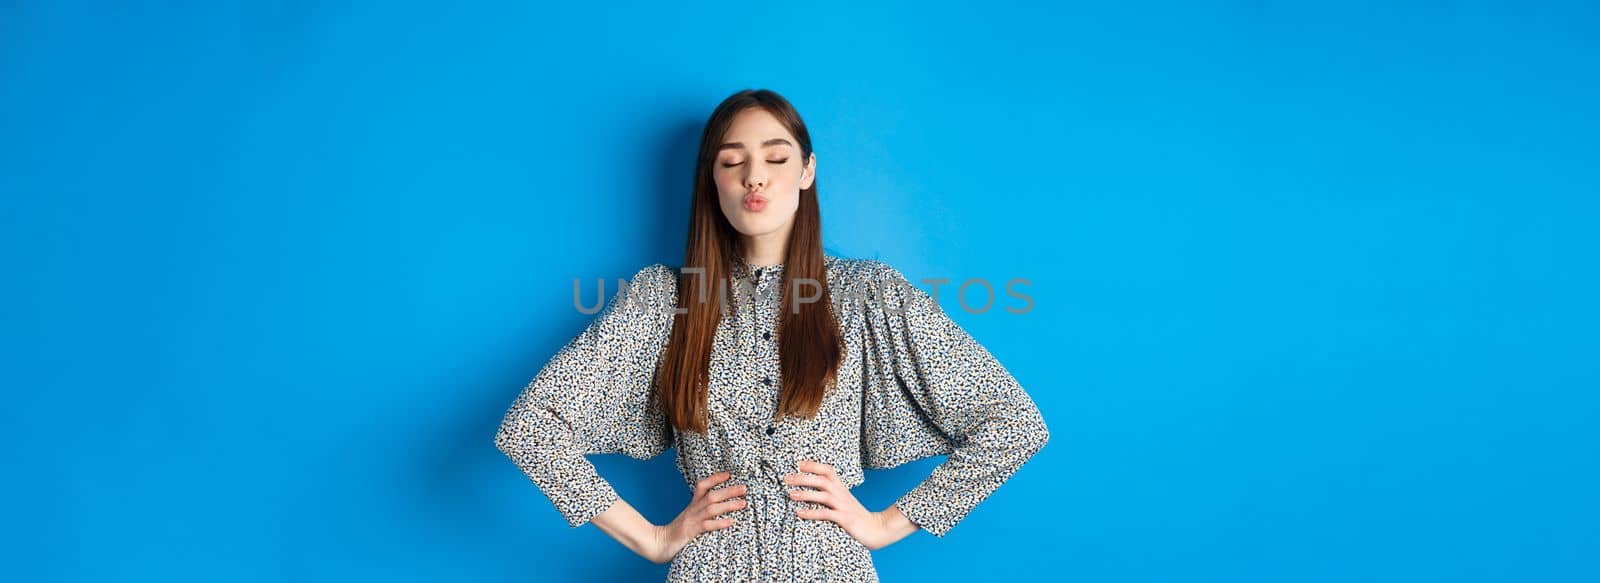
x=755, y=180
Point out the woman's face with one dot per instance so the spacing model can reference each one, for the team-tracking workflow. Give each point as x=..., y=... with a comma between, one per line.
x=759, y=174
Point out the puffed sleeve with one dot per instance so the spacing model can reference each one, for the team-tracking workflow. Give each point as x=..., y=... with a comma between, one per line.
x=595, y=396
x=937, y=391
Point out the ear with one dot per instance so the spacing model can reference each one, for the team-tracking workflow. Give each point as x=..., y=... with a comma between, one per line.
x=808, y=173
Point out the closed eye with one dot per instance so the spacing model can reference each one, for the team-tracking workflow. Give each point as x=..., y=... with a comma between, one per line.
x=726, y=165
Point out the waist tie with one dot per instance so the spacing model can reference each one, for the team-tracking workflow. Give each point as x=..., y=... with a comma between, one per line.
x=769, y=532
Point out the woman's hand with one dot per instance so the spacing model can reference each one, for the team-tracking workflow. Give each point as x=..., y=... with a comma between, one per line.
x=700, y=516
x=873, y=530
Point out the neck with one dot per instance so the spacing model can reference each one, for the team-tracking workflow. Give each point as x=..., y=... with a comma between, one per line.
x=767, y=249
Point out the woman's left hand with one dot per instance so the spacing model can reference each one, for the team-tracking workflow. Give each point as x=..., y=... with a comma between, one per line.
x=873, y=530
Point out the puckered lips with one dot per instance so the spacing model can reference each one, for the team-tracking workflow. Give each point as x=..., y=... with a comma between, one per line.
x=754, y=202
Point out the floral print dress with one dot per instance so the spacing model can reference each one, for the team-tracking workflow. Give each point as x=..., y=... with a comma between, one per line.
x=912, y=384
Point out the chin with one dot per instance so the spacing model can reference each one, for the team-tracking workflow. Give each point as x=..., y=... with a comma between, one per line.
x=753, y=229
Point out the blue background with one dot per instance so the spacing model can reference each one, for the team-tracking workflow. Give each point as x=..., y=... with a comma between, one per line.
x=1315, y=285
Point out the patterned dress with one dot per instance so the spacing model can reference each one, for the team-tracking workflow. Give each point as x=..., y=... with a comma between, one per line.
x=912, y=384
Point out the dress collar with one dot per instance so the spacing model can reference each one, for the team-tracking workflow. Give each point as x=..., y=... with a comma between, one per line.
x=743, y=268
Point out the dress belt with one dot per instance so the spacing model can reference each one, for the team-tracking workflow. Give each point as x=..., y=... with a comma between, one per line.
x=769, y=518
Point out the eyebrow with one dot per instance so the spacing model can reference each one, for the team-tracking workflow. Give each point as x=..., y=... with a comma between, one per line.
x=768, y=143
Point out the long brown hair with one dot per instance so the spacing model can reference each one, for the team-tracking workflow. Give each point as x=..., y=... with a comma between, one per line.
x=809, y=342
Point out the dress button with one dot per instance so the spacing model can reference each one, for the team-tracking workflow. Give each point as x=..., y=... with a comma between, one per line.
x=771, y=430
x=766, y=335
x=767, y=381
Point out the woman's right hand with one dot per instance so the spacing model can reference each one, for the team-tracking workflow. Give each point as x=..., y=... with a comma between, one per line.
x=700, y=516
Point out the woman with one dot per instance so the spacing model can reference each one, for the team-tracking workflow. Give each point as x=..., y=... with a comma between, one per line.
x=779, y=372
